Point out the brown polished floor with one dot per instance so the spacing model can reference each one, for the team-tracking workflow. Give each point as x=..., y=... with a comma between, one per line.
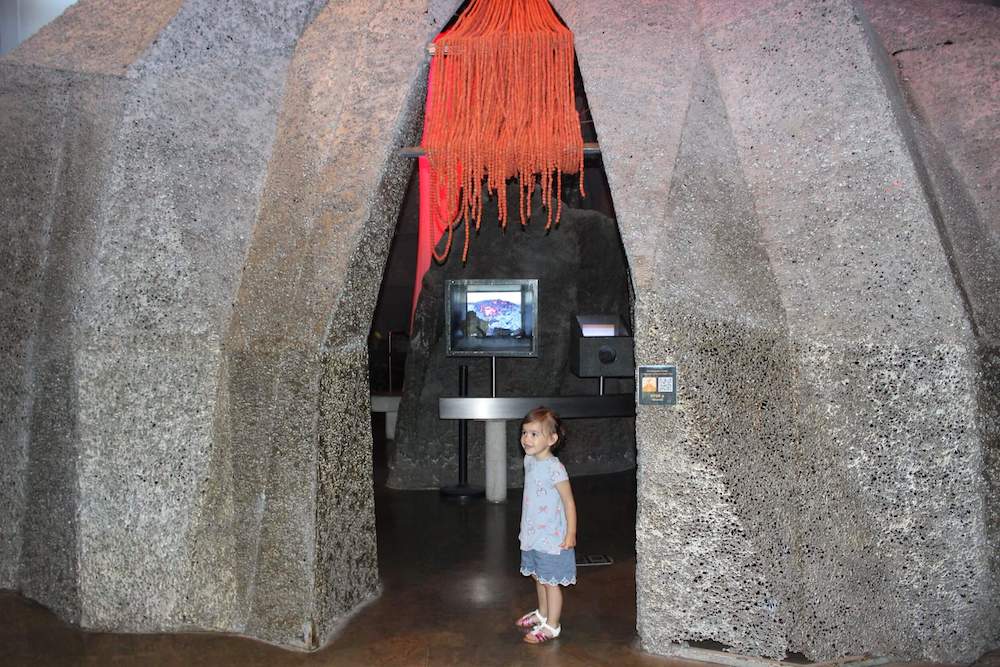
x=451, y=594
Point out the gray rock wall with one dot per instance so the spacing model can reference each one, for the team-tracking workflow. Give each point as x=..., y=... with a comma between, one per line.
x=60, y=121
x=881, y=336
x=141, y=286
x=832, y=416
x=948, y=106
x=166, y=453
x=304, y=309
x=175, y=226
x=49, y=222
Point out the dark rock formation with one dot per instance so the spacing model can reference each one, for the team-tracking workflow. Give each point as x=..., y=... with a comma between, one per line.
x=580, y=268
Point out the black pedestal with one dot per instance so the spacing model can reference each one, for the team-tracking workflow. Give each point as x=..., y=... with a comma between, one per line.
x=462, y=491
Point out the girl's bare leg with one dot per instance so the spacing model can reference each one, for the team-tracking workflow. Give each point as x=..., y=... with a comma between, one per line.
x=554, y=598
x=543, y=606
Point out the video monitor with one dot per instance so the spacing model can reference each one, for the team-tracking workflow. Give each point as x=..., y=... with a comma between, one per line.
x=492, y=317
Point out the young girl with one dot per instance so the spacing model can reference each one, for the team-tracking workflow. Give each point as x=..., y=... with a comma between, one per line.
x=548, y=524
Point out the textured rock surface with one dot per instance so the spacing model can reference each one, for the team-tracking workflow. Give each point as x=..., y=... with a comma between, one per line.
x=580, y=269
x=50, y=209
x=307, y=297
x=166, y=456
x=97, y=36
x=950, y=110
x=821, y=340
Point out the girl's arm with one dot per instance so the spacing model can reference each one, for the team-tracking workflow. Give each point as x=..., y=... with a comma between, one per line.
x=569, y=506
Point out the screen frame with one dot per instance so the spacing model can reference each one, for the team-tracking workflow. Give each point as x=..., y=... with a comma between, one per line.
x=524, y=285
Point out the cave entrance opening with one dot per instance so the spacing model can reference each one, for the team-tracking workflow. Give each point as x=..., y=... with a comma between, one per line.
x=582, y=268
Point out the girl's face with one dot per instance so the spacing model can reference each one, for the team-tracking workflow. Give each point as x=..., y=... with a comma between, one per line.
x=536, y=439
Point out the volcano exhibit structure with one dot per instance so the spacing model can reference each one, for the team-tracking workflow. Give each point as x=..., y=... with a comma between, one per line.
x=198, y=199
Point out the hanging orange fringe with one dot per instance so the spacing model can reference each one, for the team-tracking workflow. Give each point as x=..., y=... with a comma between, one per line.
x=503, y=107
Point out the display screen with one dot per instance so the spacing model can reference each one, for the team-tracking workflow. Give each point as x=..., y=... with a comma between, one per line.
x=492, y=317
x=499, y=313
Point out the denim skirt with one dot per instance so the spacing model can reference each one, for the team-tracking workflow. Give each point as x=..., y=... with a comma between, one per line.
x=552, y=569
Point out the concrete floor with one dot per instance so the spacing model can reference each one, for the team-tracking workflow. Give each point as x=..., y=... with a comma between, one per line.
x=451, y=594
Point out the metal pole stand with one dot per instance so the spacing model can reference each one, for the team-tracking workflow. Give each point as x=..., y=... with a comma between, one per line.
x=462, y=489
x=496, y=450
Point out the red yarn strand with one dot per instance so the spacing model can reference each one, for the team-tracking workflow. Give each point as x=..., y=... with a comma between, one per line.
x=504, y=107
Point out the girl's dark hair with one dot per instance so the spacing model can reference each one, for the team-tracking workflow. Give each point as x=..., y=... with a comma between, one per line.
x=550, y=419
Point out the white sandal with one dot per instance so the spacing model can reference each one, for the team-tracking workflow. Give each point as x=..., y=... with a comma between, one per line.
x=530, y=620
x=538, y=635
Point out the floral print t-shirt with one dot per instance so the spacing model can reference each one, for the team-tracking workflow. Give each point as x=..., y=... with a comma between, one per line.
x=543, y=519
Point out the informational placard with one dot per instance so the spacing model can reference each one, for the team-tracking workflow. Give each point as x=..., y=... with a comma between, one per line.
x=657, y=384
